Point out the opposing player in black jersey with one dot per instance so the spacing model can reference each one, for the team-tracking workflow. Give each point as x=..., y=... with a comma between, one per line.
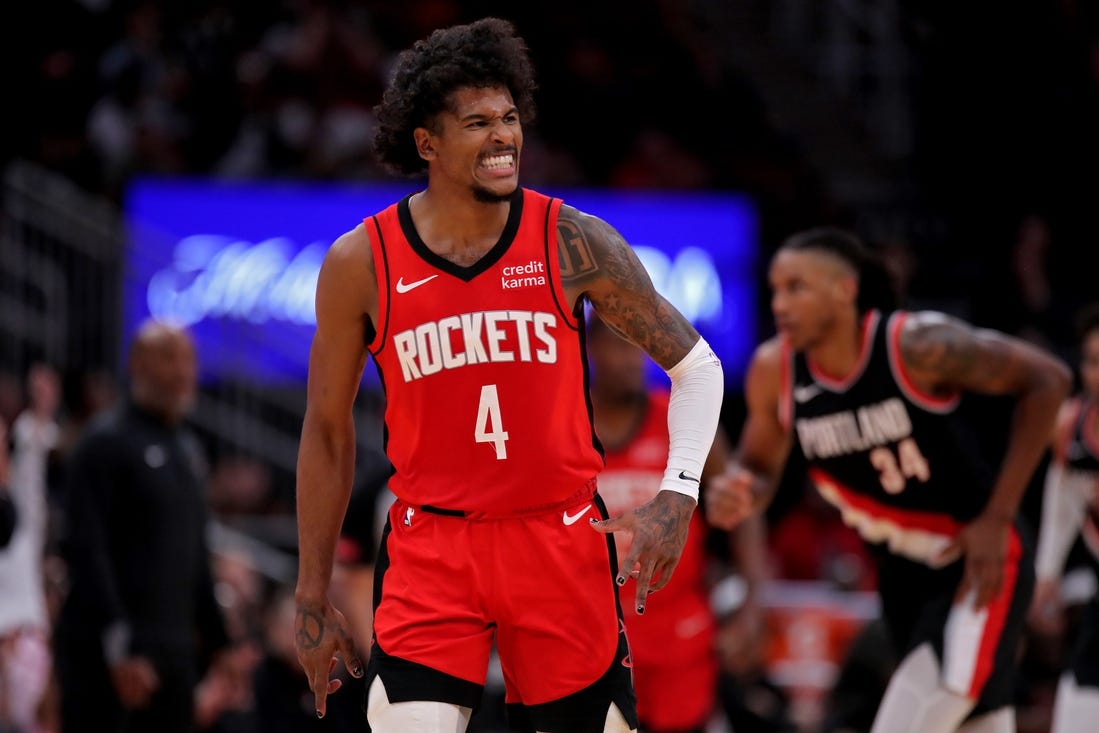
x=1070, y=509
x=870, y=398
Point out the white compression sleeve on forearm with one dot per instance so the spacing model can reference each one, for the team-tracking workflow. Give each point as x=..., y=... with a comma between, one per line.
x=1064, y=504
x=694, y=408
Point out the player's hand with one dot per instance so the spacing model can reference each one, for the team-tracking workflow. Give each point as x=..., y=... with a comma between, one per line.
x=320, y=632
x=134, y=680
x=659, y=531
x=729, y=498
x=983, y=542
x=1046, y=611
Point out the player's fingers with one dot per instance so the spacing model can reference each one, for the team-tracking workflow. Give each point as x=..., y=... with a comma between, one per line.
x=949, y=553
x=614, y=524
x=643, y=580
x=320, y=690
x=350, y=653
x=661, y=575
x=989, y=587
x=630, y=562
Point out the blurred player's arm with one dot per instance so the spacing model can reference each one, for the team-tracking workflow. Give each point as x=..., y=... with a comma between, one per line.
x=345, y=304
x=599, y=265
x=749, y=483
x=942, y=356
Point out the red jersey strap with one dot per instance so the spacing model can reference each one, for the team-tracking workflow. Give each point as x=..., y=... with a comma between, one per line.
x=553, y=260
x=786, y=384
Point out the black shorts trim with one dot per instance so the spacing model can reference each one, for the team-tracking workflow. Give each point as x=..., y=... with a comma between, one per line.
x=407, y=681
x=584, y=711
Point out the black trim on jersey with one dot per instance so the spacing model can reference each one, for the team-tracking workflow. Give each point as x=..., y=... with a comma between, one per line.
x=490, y=258
x=581, y=323
x=385, y=267
x=552, y=285
x=385, y=423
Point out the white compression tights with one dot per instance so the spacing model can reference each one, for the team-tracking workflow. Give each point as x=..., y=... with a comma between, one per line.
x=917, y=702
x=440, y=717
x=1076, y=708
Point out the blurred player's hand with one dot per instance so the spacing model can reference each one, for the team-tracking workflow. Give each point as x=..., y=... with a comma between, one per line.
x=320, y=631
x=729, y=497
x=659, y=531
x=983, y=542
x=135, y=680
x=1047, y=614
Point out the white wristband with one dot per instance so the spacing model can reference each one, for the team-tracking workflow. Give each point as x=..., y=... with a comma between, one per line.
x=694, y=407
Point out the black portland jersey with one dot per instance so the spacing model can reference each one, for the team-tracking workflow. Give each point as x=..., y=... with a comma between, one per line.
x=1081, y=456
x=900, y=465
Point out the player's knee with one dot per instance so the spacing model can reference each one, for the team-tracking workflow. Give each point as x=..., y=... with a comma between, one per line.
x=417, y=716
x=616, y=722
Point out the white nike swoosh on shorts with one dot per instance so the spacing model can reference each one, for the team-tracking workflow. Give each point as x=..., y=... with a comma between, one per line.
x=573, y=518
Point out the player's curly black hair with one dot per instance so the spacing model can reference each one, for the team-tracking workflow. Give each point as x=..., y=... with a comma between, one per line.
x=1087, y=321
x=482, y=54
x=875, y=287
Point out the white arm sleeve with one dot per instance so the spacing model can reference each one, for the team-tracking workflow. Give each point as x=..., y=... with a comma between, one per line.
x=694, y=407
x=1064, y=505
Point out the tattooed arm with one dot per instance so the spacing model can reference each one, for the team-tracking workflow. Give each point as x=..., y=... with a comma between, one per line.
x=598, y=265
x=942, y=355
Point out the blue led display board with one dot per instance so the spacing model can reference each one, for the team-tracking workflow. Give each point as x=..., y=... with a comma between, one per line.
x=238, y=263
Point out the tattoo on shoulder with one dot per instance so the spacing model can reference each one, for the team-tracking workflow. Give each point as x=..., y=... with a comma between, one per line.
x=573, y=250
x=588, y=246
x=939, y=346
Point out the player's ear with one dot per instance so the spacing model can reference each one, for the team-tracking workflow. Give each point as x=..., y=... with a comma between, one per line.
x=848, y=288
x=424, y=144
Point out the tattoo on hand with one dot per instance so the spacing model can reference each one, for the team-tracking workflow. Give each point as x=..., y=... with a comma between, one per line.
x=310, y=631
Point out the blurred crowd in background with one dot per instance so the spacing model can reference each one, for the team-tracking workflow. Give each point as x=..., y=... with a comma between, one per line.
x=958, y=138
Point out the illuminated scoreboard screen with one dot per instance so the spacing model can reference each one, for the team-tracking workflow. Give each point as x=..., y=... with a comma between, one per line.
x=238, y=263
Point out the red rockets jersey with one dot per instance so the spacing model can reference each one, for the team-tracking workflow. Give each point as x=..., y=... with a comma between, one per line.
x=483, y=368
x=677, y=624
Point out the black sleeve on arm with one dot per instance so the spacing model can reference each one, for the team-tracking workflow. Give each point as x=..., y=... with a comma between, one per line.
x=92, y=478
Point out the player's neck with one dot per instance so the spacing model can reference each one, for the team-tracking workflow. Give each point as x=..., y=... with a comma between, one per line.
x=837, y=354
x=455, y=223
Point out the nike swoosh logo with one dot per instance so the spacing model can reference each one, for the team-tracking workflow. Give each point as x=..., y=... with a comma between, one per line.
x=804, y=394
x=403, y=287
x=572, y=518
x=683, y=475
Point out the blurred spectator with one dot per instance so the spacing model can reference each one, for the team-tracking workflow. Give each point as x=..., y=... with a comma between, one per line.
x=141, y=592
x=24, y=621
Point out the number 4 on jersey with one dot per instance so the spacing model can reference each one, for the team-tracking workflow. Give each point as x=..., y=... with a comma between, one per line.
x=488, y=410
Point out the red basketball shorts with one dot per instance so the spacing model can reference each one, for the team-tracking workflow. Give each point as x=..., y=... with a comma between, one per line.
x=541, y=584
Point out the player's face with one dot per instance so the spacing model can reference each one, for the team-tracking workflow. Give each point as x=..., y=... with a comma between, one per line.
x=808, y=292
x=478, y=142
x=1089, y=363
x=164, y=375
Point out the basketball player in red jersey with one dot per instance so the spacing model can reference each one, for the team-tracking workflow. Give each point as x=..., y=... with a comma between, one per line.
x=1070, y=509
x=871, y=399
x=469, y=296
x=672, y=645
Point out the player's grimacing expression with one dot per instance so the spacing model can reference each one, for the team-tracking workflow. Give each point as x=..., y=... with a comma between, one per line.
x=1089, y=362
x=809, y=291
x=476, y=142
